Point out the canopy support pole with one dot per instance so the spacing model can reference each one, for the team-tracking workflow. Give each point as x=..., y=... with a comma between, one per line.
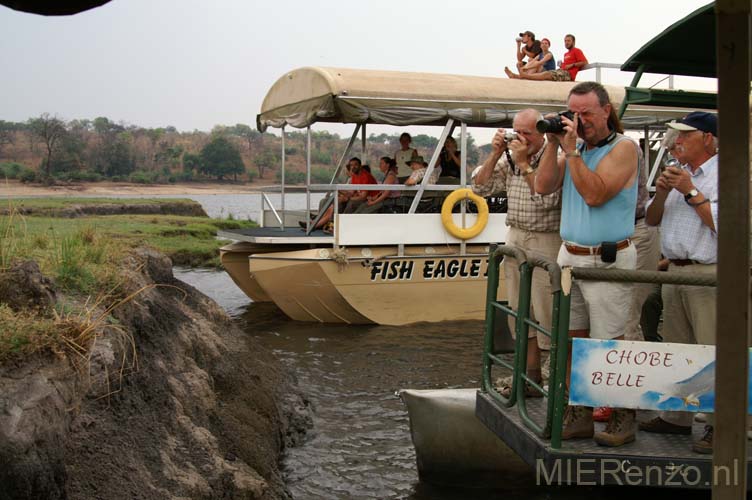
x=282, y=189
x=431, y=165
x=308, y=179
x=463, y=178
x=733, y=297
x=635, y=81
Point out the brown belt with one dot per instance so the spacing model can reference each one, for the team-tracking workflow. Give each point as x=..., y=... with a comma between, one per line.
x=684, y=262
x=575, y=250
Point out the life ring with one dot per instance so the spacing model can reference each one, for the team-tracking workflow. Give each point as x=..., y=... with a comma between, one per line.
x=446, y=214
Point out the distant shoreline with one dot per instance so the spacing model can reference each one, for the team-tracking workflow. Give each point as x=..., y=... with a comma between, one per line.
x=16, y=189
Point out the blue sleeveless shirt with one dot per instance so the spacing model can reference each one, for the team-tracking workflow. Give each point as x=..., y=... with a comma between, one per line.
x=549, y=65
x=612, y=221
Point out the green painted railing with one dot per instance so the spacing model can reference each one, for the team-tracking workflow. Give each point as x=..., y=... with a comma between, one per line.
x=561, y=281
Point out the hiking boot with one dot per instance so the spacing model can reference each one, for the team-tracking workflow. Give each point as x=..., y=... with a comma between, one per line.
x=661, y=426
x=602, y=414
x=620, y=428
x=578, y=422
x=705, y=444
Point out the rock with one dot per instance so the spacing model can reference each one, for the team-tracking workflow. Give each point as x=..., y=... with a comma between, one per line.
x=24, y=287
x=175, y=402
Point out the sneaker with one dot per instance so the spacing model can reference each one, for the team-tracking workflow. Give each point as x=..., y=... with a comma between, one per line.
x=661, y=426
x=620, y=429
x=705, y=444
x=578, y=422
x=602, y=414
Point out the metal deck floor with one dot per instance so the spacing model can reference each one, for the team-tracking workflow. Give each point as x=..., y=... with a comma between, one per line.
x=651, y=460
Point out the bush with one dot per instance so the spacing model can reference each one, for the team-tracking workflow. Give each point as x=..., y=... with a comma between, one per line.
x=252, y=174
x=143, y=177
x=184, y=176
x=82, y=175
x=11, y=170
x=27, y=175
x=292, y=177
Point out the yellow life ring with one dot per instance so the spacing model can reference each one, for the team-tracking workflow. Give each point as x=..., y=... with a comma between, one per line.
x=446, y=214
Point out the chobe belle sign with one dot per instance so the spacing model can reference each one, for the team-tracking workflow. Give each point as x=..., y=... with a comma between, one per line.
x=643, y=375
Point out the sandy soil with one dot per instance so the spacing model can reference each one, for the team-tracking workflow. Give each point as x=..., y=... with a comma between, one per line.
x=18, y=189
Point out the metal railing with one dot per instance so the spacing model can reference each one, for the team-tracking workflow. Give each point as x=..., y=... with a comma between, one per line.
x=561, y=283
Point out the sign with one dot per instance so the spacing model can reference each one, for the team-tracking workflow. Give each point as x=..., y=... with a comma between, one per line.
x=429, y=269
x=643, y=375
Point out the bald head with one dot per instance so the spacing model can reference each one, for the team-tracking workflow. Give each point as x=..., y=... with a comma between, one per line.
x=524, y=124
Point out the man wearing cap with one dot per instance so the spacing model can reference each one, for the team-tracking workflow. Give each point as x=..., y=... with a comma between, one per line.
x=686, y=207
x=574, y=60
x=532, y=220
x=527, y=46
x=599, y=181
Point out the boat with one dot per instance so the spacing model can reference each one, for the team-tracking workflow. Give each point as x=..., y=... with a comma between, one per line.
x=387, y=268
x=452, y=447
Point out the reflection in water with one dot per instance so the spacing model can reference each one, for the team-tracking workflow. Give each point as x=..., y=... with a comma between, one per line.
x=360, y=444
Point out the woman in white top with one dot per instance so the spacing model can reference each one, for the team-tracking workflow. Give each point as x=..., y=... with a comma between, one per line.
x=403, y=156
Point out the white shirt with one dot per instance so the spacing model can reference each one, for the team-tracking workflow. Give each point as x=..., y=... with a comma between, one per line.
x=683, y=234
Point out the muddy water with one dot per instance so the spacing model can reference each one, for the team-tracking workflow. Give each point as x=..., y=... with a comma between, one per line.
x=360, y=444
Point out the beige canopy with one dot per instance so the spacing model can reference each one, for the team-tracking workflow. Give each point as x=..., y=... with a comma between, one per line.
x=315, y=94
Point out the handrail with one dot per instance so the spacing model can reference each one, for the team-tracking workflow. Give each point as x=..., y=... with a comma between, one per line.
x=265, y=199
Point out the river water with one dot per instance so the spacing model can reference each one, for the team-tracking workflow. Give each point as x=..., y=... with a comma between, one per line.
x=359, y=446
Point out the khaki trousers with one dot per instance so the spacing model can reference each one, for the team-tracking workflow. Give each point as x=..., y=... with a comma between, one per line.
x=688, y=318
x=541, y=301
x=647, y=241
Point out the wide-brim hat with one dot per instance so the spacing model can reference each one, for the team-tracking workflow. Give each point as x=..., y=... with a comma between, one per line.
x=697, y=120
x=418, y=159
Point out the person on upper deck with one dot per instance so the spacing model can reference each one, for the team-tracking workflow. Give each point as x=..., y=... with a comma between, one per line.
x=545, y=61
x=599, y=199
x=449, y=158
x=403, y=155
x=573, y=61
x=686, y=207
x=533, y=221
x=527, y=46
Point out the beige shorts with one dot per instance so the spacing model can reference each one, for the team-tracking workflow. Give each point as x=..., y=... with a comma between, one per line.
x=602, y=307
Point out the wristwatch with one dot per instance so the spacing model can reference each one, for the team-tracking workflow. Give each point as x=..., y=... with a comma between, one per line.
x=691, y=194
x=528, y=171
x=573, y=154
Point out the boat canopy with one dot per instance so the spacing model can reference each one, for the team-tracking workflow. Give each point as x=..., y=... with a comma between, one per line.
x=317, y=94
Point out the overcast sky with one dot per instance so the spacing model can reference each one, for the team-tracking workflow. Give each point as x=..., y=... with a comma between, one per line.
x=197, y=63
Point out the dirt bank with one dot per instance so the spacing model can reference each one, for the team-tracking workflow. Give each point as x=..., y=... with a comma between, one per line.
x=19, y=189
x=172, y=402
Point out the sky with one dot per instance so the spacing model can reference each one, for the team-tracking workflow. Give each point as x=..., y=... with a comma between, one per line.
x=194, y=64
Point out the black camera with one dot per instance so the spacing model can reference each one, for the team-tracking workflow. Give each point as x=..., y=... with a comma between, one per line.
x=553, y=125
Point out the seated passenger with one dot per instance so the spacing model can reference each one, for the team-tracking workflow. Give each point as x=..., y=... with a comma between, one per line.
x=378, y=199
x=450, y=158
x=527, y=46
x=345, y=198
x=419, y=171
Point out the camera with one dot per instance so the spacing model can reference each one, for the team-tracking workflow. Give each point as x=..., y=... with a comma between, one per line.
x=553, y=125
x=509, y=137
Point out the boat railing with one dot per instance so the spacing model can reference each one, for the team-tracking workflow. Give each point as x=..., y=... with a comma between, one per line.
x=561, y=282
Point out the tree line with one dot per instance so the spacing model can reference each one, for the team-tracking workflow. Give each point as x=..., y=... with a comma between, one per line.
x=49, y=149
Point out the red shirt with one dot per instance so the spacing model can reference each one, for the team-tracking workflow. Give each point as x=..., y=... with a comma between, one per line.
x=364, y=177
x=572, y=56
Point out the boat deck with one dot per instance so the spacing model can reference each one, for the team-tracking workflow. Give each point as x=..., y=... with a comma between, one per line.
x=291, y=235
x=651, y=460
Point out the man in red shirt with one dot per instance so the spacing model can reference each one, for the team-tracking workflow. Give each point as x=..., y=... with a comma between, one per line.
x=359, y=175
x=573, y=61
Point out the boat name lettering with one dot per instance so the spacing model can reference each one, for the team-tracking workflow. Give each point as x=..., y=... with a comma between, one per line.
x=438, y=269
x=432, y=269
x=394, y=270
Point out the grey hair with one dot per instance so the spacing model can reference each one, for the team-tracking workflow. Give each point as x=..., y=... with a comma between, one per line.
x=669, y=139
